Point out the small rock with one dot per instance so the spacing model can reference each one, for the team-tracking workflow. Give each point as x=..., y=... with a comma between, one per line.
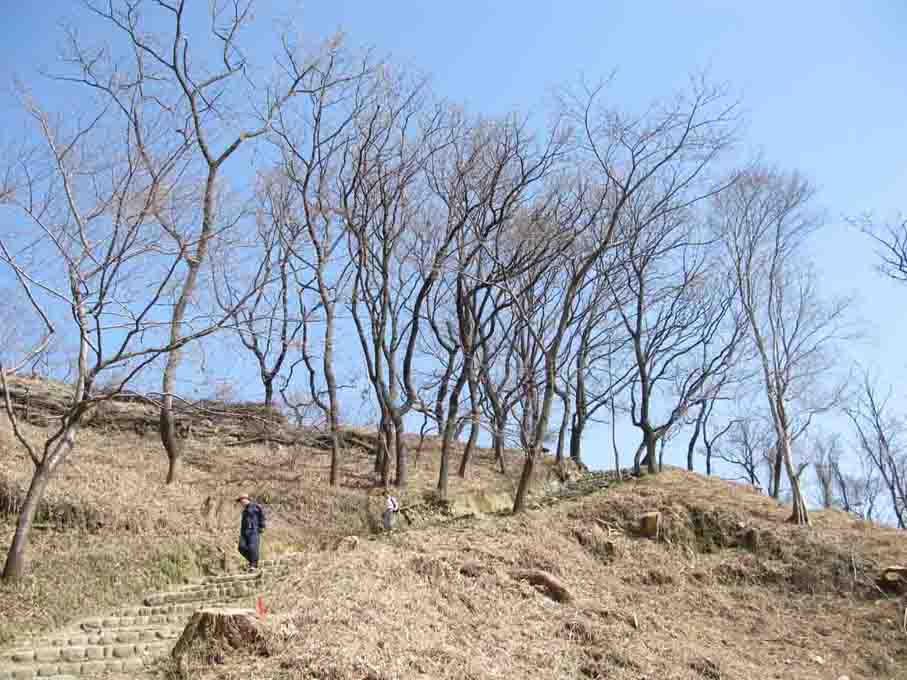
x=818, y=659
x=843, y=677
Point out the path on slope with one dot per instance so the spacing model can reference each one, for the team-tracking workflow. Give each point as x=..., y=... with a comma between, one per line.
x=131, y=639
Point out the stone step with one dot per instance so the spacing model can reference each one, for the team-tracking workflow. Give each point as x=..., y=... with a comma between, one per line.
x=141, y=612
x=128, y=637
x=122, y=658
x=207, y=594
x=123, y=644
x=102, y=637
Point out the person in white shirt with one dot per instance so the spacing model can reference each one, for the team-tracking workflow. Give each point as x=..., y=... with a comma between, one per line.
x=391, y=508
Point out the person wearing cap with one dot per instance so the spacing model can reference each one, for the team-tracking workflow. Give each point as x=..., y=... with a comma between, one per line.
x=251, y=527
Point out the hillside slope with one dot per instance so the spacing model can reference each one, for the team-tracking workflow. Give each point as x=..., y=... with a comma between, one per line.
x=728, y=591
x=110, y=529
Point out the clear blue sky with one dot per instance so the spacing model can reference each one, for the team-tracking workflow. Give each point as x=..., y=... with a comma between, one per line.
x=823, y=85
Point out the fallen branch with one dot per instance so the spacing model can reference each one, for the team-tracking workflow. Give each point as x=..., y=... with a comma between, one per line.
x=550, y=586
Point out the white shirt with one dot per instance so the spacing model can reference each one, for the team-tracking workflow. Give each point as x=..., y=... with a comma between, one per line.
x=392, y=504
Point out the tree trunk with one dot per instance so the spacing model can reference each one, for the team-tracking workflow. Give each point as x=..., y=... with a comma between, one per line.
x=576, y=438
x=168, y=432
x=335, y=454
x=637, y=459
x=799, y=514
x=691, y=447
x=614, y=436
x=15, y=558
x=333, y=401
x=475, y=420
x=499, y=450
x=444, y=471
x=168, y=429
x=402, y=472
x=525, y=480
x=451, y=432
x=649, y=445
x=385, y=446
x=269, y=390
x=174, y=466
x=562, y=433
x=474, y=428
x=776, y=473
x=470, y=447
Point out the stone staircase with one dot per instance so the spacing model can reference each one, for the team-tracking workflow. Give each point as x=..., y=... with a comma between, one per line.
x=128, y=640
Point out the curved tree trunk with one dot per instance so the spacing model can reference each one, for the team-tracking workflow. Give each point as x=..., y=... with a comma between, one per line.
x=799, y=514
x=168, y=430
x=519, y=501
x=649, y=447
x=475, y=423
x=15, y=558
x=694, y=438
x=451, y=432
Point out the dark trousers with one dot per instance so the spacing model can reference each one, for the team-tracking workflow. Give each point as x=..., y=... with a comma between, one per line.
x=249, y=548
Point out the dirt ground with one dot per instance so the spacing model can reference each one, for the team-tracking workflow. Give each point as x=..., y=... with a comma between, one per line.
x=451, y=602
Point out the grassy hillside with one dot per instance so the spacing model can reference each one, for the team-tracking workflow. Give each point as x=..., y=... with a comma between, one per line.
x=110, y=529
x=728, y=592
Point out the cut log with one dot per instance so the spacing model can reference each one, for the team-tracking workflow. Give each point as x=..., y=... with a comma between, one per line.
x=219, y=628
x=548, y=584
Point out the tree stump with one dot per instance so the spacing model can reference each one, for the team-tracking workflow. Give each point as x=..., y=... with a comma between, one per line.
x=219, y=628
x=650, y=524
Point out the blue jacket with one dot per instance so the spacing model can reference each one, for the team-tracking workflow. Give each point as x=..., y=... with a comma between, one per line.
x=253, y=520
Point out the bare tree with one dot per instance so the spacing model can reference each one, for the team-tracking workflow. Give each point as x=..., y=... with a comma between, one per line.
x=859, y=490
x=268, y=325
x=891, y=240
x=93, y=250
x=748, y=448
x=383, y=199
x=482, y=182
x=681, y=318
x=317, y=138
x=667, y=152
x=189, y=120
x=594, y=380
x=879, y=433
x=764, y=219
x=826, y=460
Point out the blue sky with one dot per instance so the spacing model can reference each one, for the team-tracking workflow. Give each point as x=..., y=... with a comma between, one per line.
x=822, y=84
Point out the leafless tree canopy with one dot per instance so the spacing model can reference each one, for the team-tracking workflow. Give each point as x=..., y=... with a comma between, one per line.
x=499, y=281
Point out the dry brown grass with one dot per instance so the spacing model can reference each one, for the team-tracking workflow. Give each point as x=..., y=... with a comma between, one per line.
x=114, y=530
x=441, y=602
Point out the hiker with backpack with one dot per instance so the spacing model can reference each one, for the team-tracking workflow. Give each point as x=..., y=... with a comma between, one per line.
x=392, y=507
x=251, y=527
